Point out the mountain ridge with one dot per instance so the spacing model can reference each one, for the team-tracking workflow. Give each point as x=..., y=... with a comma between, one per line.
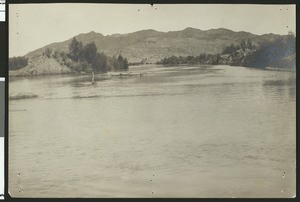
x=150, y=45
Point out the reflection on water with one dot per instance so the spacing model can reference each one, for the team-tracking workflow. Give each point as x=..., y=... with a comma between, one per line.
x=209, y=131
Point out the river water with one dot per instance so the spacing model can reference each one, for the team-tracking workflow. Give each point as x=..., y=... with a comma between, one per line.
x=206, y=131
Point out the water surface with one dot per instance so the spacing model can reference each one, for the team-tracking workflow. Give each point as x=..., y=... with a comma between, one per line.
x=207, y=131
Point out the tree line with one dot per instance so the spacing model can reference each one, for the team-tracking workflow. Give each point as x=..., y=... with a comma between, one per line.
x=230, y=54
x=203, y=58
x=87, y=58
x=277, y=53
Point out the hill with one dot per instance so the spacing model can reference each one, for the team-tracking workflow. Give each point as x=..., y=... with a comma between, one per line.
x=151, y=46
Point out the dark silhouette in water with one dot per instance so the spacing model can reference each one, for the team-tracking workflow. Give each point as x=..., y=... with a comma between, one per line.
x=93, y=78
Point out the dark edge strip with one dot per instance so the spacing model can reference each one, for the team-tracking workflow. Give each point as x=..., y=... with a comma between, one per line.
x=6, y=109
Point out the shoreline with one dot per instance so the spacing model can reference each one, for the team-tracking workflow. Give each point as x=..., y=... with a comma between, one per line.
x=12, y=74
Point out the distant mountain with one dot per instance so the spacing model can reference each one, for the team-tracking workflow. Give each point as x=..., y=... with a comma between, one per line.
x=152, y=46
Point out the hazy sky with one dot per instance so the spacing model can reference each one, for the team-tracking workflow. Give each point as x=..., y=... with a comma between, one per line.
x=32, y=26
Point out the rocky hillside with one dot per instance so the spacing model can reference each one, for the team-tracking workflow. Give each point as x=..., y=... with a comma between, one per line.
x=279, y=53
x=78, y=59
x=151, y=46
x=41, y=65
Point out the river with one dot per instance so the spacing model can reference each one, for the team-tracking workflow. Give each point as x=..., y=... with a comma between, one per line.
x=185, y=131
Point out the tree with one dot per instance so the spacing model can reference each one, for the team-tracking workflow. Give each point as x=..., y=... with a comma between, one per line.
x=229, y=49
x=243, y=45
x=120, y=63
x=75, y=50
x=89, y=52
x=17, y=63
x=249, y=44
x=120, y=59
x=125, y=63
x=100, y=62
x=291, y=43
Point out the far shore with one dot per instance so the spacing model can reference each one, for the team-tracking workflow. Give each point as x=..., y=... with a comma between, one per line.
x=15, y=74
x=19, y=74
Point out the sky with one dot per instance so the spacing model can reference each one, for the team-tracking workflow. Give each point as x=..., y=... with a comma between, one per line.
x=32, y=26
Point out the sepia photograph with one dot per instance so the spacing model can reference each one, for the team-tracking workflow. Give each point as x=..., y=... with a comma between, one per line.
x=152, y=101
